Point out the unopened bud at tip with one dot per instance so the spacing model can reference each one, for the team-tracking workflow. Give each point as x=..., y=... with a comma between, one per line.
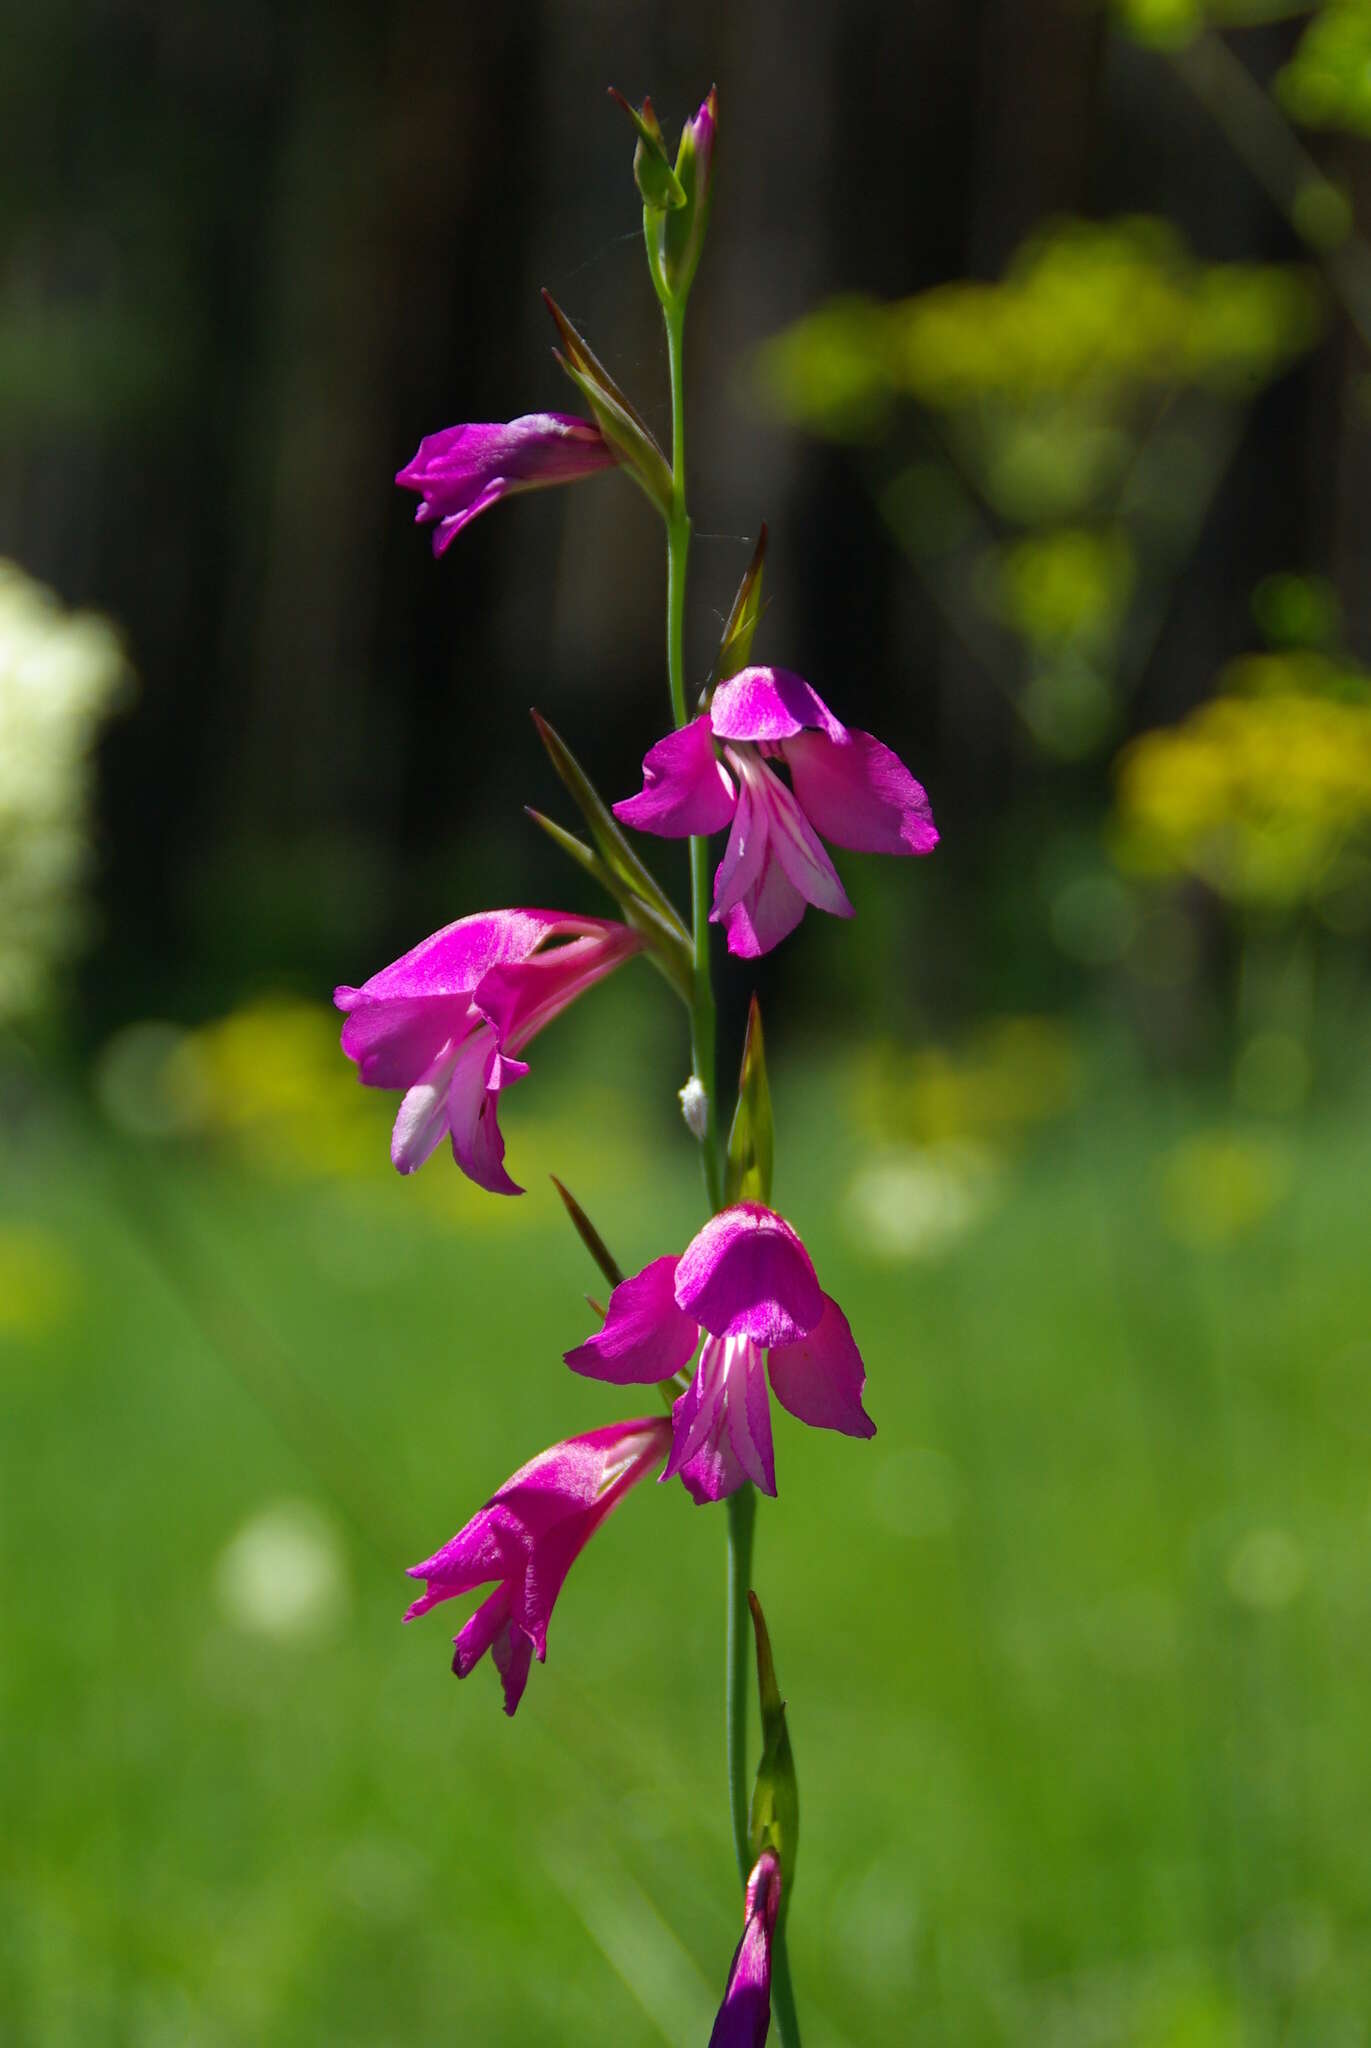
x=695, y=1107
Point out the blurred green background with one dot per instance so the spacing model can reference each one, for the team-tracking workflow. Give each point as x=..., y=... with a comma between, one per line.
x=1040, y=337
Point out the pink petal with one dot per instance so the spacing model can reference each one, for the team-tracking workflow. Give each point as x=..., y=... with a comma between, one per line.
x=745, y=2014
x=422, y=1118
x=820, y=1377
x=521, y=997
x=767, y=914
x=478, y=1144
x=859, y=794
x=512, y=1654
x=746, y=1274
x=481, y=1629
x=450, y=962
x=722, y=1424
x=394, y=1043
x=461, y=471
x=769, y=704
x=686, y=788
x=772, y=865
x=645, y=1336
x=796, y=845
x=740, y=870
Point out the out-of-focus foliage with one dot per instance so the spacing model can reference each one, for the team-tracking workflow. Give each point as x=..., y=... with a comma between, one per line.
x=1168, y=24
x=1264, y=793
x=267, y=1081
x=1327, y=84
x=1069, y=426
x=61, y=674
x=1089, y=314
x=1015, y=1073
x=938, y=1126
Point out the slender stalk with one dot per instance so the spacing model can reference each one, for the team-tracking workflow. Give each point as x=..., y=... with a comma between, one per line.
x=702, y=1013
x=782, y=1992
x=742, y=1515
x=742, y=1506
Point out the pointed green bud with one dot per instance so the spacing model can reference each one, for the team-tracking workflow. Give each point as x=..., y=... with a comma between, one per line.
x=660, y=187
x=735, y=649
x=590, y=1238
x=618, y=419
x=681, y=234
x=774, y=1819
x=750, y=1141
x=617, y=867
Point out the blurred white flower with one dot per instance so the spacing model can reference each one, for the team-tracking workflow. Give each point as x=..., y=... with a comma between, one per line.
x=61, y=673
x=915, y=1202
x=284, y=1574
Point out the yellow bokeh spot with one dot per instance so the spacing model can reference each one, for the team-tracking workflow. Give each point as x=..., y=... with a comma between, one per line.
x=1217, y=1185
x=38, y=1281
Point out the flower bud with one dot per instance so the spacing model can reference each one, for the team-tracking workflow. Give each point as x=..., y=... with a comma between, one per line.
x=774, y=1820
x=652, y=173
x=680, y=234
x=695, y=1107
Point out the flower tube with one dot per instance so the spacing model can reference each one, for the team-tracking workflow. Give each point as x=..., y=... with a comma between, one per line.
x=460, y=472
x=445, y=1021
x=527, y=1537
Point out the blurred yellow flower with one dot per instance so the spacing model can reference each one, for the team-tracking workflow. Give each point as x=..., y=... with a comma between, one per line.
x=1259, y=791
x=38, y=1281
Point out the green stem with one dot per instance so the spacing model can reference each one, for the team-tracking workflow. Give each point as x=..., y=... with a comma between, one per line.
x=703, y=1025
x=742, y=1506
x=782, y=1992
x=742, y=1515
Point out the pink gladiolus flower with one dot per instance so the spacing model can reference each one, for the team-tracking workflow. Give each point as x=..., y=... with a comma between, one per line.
x=461, y=471
x=745, y=2014
x=745, y=1285
x=528, y=1536
x=445, y=1021
x=843, y=784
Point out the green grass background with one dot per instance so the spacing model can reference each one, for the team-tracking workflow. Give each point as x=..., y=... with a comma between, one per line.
x=1076, y=1650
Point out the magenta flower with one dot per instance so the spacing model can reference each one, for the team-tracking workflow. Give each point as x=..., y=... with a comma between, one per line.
x=745, y=2014
x=445, y=1021
x=745, y=1285
x=843, y=784
x=527, y=1536
x=461, y=471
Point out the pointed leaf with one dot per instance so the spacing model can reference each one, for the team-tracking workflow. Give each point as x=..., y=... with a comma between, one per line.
x=618, y=419
x=582, y=854
x=751, y=1139
x=590, y=1238
x=735, y=649
x=617, y=867
x=774, y=1819
x=652, y=172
